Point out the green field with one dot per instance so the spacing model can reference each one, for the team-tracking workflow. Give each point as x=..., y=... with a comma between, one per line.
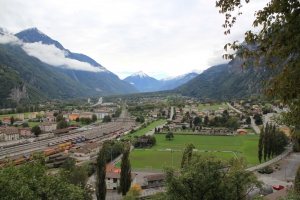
x=15, y=115
x=157, y=156
x=212, y=107
x=145, y=130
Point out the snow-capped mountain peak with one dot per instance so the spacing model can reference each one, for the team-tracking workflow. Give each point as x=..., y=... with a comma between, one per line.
x=140, y=74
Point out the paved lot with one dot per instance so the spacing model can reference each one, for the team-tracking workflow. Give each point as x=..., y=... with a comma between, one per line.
x=285, y=173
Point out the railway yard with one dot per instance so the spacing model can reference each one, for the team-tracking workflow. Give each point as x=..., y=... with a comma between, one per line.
x=20, y=152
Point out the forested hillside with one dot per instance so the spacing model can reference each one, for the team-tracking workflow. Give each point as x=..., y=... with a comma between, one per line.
x=41, y=81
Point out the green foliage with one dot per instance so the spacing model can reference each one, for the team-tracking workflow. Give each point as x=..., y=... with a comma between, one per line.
x=106, y=118
x=297, y=180
x=187, y=154
x=30, y=181
x=271, y=142
x=100, y=174
x=125, y=174
x=275, y=46
x=75, y=175
x=36, y=130
x=94, y=118
x=169, y=135
x=208, y=177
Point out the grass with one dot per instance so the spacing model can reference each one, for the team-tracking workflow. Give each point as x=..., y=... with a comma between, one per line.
x=212, y=107
x=245, y=145
x=145, y=130
x=32, y=124
x=15, y=115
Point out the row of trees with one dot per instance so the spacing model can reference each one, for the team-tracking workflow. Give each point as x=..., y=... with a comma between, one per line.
x=271, y=142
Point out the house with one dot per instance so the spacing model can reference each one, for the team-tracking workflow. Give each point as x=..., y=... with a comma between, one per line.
x=112, y=180
x=48, y=126
x=31, y=116
x=26, y=132
x=82, y=152
x=9, y=133
x=154, y=180
x=60, y=131
x=20, y=116
x=92, y=147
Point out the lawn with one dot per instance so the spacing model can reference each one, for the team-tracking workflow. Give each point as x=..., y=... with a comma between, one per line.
x=15, y=115
x=158, y=155
x=32, y=124
x=212, y=107
x=145, y=130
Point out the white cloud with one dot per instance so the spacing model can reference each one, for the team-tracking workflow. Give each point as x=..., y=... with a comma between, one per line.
x=170, y=36
x=56, y=57
x=4, y=39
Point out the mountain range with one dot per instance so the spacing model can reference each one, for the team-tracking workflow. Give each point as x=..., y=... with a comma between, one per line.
x=145, y=83
x=35, y=68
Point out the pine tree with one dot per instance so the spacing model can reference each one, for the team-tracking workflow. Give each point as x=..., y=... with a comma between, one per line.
x=273, y=141
x=265, y=141
x=187, y=154
x=100, y=175
x=260, y=145
x=125, y=179
x=269, y=138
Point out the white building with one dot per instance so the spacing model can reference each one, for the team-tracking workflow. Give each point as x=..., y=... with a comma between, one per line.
x=113, y=180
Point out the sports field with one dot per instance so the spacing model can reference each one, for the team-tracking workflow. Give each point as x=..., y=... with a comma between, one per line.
x=222, y=146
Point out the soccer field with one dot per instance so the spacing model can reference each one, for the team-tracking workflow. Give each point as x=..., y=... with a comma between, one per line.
x=222, y=146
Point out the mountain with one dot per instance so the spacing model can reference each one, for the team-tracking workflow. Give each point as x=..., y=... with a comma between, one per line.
x=26, y=79
x=146, y=83
x=227, y=81
x=87, y=71
x=143, y=82
x=171, y=83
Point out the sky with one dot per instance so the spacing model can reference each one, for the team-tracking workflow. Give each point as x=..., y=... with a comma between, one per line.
x=162, y=38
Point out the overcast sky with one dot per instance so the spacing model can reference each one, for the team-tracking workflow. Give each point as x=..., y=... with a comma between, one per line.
x=159, y=37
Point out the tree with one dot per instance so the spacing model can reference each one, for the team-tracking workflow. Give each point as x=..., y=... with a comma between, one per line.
x=260, y=145
x=94, y=118
x=62, y=124
x=100, y=174
x=106, y=118
x=134, y=192
x=24, y=125
x=169, y=135
x=197, y=121
x=187, y=154
x=31, y=181
x=275, y=46
x=206, y=120
x=36, y=130
x=233, y=123
x=125, y=175
x=12, y=120
x=208, y=177
x=75, y=175
x=248, y=120
x=58, y=118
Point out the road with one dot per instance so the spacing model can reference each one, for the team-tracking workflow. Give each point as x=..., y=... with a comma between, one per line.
x=253, y=125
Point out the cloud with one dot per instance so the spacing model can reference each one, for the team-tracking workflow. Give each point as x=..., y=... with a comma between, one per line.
x=56, y=57
x=6, y=37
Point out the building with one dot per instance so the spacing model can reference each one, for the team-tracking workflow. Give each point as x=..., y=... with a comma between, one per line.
x=48, y=126
x=9, y=133
x=112, y=180
x=154, y=180
x=26, y=132
x=20, y=116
